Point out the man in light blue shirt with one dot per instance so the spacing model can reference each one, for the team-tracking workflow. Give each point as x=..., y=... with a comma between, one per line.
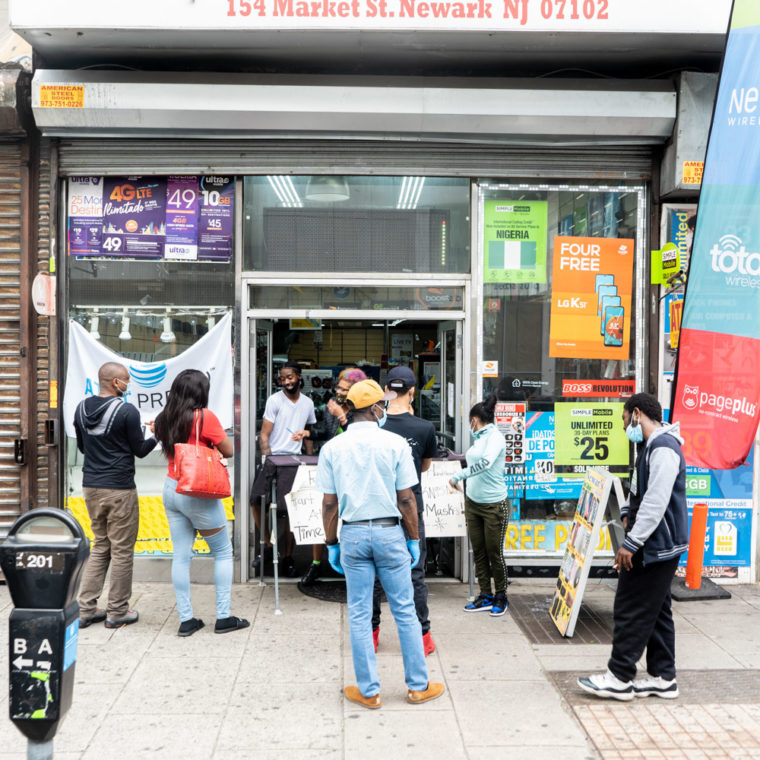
x=366, y=475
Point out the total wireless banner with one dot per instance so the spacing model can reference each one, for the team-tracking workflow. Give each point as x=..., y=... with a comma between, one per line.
x=717, y=386
x=171, y=218
x=150, y=381
x=592, y=282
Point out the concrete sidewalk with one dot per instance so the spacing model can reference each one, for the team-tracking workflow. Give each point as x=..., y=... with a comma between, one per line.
x=275, y=689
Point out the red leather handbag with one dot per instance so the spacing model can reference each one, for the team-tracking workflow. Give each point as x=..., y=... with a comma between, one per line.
x=201, y=470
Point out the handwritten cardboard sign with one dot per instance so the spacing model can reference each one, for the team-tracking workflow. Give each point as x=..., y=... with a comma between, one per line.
x=444, y=506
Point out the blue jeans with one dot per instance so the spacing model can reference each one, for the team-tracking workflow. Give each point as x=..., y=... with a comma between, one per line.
x=186, y=515
x=365, y=550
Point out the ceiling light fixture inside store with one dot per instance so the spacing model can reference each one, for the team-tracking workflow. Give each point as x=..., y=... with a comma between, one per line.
x=94, y=322
x=327, y=189
x=125, y=334
x=167, y=336
x=409, y=196
x=285, y=190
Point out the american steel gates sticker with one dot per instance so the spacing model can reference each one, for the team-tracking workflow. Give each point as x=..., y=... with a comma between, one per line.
x=592, y=282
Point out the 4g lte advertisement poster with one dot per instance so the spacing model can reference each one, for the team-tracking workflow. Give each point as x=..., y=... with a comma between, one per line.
x=592, y=283
x=151, y=218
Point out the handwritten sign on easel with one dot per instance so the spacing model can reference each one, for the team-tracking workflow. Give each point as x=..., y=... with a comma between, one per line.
x=444, y=506
x=305, y=507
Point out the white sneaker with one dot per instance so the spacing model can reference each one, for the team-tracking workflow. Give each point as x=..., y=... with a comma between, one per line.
x=607, y=686
x=655, y=686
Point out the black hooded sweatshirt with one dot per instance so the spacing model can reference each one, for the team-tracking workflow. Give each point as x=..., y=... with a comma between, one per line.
x=110, y=436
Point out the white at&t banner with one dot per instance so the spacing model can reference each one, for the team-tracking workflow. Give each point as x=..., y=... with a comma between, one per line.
x=151, y=381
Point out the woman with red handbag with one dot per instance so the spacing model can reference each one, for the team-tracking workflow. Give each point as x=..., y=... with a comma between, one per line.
x=186, y=420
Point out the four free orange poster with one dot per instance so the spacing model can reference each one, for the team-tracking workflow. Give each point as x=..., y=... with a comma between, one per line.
x=592, y=282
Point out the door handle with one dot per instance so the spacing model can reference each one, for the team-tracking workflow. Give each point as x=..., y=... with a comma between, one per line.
x=19, y=450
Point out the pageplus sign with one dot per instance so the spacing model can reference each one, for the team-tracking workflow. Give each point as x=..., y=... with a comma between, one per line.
x=725, y=407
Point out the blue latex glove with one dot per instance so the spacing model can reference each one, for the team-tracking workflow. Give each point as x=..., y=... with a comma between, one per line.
x=414, y=550
x=333, y=557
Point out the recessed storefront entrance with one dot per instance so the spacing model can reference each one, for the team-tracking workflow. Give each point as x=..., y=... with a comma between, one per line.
x=323, y=346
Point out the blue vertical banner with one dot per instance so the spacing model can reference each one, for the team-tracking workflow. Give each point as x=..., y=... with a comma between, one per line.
x=717, y=391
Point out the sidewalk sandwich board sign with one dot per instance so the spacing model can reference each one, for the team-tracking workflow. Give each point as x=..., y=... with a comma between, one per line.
x=584, y=538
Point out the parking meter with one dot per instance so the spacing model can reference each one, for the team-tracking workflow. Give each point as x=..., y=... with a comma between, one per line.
x=42, y=560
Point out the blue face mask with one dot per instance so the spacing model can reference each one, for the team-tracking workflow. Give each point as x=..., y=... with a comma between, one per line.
x=381, y=421
x=635, y=433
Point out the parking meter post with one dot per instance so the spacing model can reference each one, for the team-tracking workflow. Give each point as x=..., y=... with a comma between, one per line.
x=42, y=560
x=39, y=750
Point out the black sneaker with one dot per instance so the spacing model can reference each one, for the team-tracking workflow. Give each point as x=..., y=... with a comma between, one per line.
x=268, y=555
x=289, y=567
x=500, y=605
x=310, y=575
x=483, y=603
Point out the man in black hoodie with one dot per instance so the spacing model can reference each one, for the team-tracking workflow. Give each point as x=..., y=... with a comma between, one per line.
x=656, y=524
x=110, y=436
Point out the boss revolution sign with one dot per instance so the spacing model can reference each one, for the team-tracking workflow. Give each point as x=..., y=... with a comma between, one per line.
x=717, y=391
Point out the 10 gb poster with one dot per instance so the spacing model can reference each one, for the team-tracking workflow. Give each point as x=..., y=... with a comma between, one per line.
x=150, y=218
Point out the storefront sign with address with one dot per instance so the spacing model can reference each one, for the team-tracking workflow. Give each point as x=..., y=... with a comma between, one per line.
x=620, y=16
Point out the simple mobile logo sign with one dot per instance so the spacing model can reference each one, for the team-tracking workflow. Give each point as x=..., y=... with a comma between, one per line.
x=716, y=393
x=151, y=381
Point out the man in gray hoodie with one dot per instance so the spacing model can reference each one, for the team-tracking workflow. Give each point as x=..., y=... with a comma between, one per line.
x=110, y=436
x=656, y=523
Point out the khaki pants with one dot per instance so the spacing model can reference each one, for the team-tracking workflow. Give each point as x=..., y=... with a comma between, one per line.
x=115, y=515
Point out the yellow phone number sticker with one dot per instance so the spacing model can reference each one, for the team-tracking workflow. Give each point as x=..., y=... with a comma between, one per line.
x=62, y=96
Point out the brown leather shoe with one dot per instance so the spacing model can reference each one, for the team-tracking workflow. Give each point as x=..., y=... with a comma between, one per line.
x=354, y=695
x=433, y=691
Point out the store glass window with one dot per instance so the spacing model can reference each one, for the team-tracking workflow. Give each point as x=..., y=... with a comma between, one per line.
x=562, y=275
x=150, y=276
x=356, y=224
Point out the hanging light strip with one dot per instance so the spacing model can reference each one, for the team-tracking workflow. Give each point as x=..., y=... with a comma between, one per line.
x=409, y=196
x=282, y=197
x=416, y=192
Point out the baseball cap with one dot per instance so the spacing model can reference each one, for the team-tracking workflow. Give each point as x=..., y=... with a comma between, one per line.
x=400, y=378
x=367, y=392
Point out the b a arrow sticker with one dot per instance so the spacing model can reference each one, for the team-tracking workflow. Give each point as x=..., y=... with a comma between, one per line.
x=22, y=663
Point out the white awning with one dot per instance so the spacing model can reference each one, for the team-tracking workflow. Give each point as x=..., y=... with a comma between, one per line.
x=107, y=103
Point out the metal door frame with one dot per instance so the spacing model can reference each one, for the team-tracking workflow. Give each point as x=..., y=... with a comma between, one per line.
x=251, y=318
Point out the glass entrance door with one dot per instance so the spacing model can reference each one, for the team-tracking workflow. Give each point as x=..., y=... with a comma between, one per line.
x=256, y=385
x=450, y=348
x=261, y=363
x=326, y=345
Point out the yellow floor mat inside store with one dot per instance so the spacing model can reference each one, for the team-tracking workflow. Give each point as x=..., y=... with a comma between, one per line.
x=153, y=534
